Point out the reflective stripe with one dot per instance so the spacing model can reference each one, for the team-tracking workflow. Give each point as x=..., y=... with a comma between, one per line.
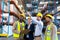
x=48, y=33
x=18, y=26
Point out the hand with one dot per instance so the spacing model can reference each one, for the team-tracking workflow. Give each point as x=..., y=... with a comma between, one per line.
x=18, y=32
x=29, y=14
x=25, y=31
x=15, y=31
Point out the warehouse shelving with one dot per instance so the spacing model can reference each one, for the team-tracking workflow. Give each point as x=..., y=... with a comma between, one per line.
x=11, y=13
x=14, y=14
x=12, y=2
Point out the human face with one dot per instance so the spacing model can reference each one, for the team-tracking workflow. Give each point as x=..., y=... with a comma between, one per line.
x=21, y=18
x=47, y=19
x=38, y=18
x=29, y=20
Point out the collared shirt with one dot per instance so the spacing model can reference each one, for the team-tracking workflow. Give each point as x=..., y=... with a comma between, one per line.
x=38, y=28
x=29, y=25
x=28, y=28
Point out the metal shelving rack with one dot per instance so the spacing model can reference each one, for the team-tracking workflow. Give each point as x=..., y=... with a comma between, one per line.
x=35, y=4
x=9, y=14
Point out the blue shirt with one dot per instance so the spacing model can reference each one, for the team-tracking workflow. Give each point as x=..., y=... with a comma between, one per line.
x=38, y=27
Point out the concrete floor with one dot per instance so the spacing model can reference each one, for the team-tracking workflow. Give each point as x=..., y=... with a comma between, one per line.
x=11, y=38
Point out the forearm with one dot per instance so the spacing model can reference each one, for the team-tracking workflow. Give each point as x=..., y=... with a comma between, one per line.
x=35, y=21
x=14, y=28
x=15, y=31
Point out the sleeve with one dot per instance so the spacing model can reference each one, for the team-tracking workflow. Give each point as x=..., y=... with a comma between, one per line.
x=41, y=26
x=35, y=21
x=53, y=32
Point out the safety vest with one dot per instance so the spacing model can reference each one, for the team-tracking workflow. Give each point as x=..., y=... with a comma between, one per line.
x=48, y=33
x=15, y=35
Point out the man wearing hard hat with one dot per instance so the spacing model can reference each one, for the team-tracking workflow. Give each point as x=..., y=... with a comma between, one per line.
x=17, y=27
x=39, y=26
x=51, y=30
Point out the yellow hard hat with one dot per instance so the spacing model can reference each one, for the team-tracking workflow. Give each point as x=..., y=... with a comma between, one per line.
x=39, y=14
x=49, y=15
x=22, y=15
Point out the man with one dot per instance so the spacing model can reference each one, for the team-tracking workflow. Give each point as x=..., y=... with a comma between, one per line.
x=39, y=26
x=31, y=27
x=51, y=30
x=18, y=27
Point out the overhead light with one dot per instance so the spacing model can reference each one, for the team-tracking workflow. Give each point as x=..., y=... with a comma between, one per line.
x=40, y=7
x=58, y=17
x=58, y=8
x=29, y=5
x=47, y=2
x=53, y=11
x=43, y=2
x=57, y=2
x=35, y=0
x=20, y=6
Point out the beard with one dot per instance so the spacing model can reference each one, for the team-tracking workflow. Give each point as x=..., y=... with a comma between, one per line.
x=47, y=22
x=21, y=20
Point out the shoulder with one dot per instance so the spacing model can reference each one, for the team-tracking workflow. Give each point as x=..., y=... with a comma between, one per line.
x=54, y=26
x=41, y=22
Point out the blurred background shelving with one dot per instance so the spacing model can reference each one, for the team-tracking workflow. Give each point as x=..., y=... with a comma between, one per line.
x=9, y=17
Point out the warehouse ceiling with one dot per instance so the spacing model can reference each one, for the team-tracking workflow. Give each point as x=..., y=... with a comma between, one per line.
x=52, y=3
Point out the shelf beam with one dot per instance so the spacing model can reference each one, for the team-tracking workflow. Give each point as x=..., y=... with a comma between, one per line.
x=14, y=14
x=12, y=2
